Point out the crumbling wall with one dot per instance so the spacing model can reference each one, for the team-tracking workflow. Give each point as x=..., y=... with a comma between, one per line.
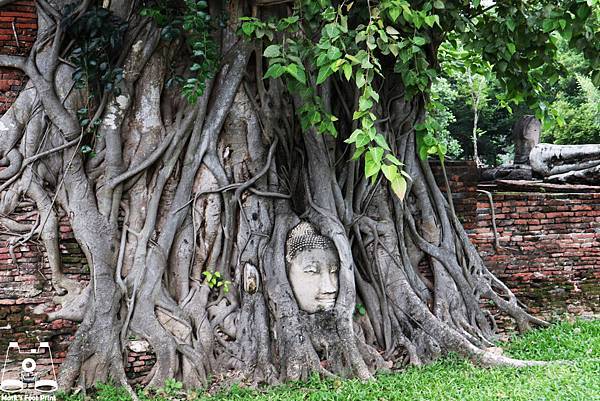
x=18, y=30
x=549, y=252
x=549, y=242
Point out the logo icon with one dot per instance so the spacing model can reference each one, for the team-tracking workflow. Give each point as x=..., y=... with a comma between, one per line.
x=28, y=374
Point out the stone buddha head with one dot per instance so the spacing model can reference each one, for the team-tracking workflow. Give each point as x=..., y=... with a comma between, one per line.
x=312, y=268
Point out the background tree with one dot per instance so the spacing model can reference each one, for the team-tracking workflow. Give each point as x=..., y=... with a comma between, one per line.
x=155, y=128
x=572, y=117
x=474, y=79
x=575, y=102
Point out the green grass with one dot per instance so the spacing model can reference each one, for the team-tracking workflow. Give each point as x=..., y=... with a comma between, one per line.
x=456, y=379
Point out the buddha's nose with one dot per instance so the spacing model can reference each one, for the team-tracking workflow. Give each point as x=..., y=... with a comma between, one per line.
x=327, y=284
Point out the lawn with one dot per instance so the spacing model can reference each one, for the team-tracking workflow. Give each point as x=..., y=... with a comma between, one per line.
x=453, y=378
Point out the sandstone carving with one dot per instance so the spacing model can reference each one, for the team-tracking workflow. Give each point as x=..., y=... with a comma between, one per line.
x=312, y=265
x=556, y=164
x=526, y=133
x=574, y=164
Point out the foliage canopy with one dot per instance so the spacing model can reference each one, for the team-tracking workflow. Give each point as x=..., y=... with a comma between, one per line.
x=516, y=41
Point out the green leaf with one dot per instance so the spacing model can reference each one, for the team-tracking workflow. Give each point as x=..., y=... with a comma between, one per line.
x=315, y=117
x=364, y=104
x=322, y=59
x=334, y=53
x=352, y=138
x=371, y=93
x=429, y=140
x=371, y=43
x=362, y=140
x=380, y=140
x=360, y=79
x=358, y=114
x=347, y=69
x=430, y=20
x=371, y=167
x=419, y=40
x=324, y=72
x=442, y=150
x=511, y=24
x=360, y=37
x=399, y=187
x=438, y=4
x=562, y=23
x=394, y=13
x=274, y=71
x=583, y=11
x=390, y=157
x=511, y=48
x=358, y=153
x=376, y=154
x=335, y=66
x=567, y=33
x=390, y=172
x=548, y=25
x=391, y=30
x=248, y=28
x=352, y=58
x=272, y=51
x=297, y=72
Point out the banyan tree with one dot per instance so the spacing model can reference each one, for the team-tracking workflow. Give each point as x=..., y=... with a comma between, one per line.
x=249, y=180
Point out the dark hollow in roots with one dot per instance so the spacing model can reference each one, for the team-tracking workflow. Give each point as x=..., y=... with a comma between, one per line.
x=177, y=189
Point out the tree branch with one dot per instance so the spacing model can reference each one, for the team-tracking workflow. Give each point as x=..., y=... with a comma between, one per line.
x=12, y=61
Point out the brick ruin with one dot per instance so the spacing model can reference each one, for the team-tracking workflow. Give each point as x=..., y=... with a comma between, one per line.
x=547, y=248
x=18, y=30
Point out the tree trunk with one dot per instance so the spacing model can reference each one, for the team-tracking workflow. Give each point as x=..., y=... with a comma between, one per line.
x=476, y=93
x=179, y=191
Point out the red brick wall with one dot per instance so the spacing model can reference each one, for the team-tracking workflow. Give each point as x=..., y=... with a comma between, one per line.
x=18, y=30
x=549, y=248
x=26, y=290
x=549, y=251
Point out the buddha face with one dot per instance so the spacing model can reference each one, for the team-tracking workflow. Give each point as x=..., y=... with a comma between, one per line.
x=313, y=275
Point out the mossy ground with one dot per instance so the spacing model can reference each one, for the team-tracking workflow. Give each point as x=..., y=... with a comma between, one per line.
x=448, y=379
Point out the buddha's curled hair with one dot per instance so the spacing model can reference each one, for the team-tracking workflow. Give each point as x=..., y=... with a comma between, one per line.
x=305, y=236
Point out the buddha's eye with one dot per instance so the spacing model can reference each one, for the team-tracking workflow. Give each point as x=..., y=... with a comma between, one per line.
x=312, y=268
